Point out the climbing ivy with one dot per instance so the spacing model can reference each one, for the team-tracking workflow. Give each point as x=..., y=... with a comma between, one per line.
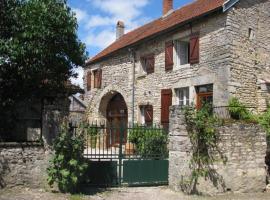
x=201, y=127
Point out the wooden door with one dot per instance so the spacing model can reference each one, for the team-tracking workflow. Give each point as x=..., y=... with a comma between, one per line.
x=117, y=117
x=166, y=102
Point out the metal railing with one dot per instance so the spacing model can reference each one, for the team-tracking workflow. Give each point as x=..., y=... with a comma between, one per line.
x=105, y=142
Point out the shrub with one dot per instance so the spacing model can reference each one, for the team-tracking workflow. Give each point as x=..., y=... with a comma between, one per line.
x=149, y=141
x=67, y=167
x=238, y=111
x=264, y=121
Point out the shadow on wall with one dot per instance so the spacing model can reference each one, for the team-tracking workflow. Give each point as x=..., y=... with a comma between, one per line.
x=4, y=169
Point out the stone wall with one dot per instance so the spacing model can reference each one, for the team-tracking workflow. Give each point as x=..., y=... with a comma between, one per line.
x=23, y=165
x=248, y=27
x=242, y=146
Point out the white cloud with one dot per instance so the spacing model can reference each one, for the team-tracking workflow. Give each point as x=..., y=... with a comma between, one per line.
x=81, y=15
x=124, y=10
x=79, y=79
x=102, y=39
x=97, y=20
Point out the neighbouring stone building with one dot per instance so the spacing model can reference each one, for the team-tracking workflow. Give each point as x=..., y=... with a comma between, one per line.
x=76, y=110
x=209, y=50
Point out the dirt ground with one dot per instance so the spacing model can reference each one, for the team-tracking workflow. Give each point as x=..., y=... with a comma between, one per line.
x=142, y=193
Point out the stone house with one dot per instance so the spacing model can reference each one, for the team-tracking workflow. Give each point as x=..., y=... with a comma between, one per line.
x=209, y=50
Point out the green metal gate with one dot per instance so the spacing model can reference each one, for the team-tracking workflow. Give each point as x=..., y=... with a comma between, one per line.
x=140, y=157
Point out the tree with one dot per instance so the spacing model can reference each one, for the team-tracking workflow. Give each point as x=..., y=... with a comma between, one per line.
x=39, y=49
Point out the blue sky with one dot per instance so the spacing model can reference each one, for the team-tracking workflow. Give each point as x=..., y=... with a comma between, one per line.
x=97, y=20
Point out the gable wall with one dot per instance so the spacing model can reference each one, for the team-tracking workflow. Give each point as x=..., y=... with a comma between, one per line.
x=250, y=58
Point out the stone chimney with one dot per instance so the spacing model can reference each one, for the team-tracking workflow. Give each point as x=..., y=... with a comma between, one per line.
x=167, y=6
x=120, y=29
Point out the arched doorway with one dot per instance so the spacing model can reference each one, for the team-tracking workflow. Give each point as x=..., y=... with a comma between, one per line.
x=117, y=119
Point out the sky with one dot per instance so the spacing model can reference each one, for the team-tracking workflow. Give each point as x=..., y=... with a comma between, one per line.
x=97, y=20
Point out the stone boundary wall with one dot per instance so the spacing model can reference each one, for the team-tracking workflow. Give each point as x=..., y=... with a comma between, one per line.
x=244, y=147
x=23, y=164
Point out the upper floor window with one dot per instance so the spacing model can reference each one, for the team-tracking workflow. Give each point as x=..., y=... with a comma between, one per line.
x=182, y=96
x=148, y=63
x=268, y=87
x=88, y=80
x=97, y=78
x=181, y=52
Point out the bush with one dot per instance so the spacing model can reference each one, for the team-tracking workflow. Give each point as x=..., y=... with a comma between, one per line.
x=238, y=111
x=149, y=141
x=264, y=121
x=68, y=166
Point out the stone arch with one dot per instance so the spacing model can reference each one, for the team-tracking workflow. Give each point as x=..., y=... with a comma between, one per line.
x=101, y=101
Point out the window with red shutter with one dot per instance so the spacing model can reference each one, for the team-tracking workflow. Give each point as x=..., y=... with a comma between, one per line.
x=194, y=56
x=169, y=56
x=148, y=63
x=166, y=102
x=88, y=81
x=146, y=115
x=97, y=78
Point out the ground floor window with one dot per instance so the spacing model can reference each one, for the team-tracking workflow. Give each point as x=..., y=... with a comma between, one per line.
x=204, y=95
x=268, y=87
x=146, y=115
x=182, y=96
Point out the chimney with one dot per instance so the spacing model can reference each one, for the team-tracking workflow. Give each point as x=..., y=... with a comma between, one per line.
x=167, y=6
x=120, y=29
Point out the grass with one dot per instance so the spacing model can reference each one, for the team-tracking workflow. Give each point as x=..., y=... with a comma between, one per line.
x=76, y=197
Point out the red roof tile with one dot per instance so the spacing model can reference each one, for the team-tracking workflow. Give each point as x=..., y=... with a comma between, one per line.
x=180, y=16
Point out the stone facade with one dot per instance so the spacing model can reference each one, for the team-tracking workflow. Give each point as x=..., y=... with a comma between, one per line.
x=248, y=29
x=23, y=165
x=232, y=69
x=242, y=146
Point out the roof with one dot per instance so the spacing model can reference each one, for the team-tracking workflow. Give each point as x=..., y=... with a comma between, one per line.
x=181, y=16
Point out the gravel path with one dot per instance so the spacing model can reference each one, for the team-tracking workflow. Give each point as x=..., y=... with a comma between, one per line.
x=143, y=193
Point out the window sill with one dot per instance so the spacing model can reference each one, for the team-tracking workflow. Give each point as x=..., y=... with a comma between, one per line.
x=185, y=66
x=141, y=75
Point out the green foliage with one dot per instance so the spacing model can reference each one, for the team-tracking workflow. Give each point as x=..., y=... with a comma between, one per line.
x=238, y=111
x=68, y=165
x=39, y=49
x=264, y=121
x=149, y=141
x=201, y=126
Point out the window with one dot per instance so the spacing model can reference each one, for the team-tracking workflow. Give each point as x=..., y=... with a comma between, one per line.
x=88, y=81
x=182, y=95
x=146, y=117
x=148, y=63
x=97, y=78
x=251, y=34
x=268, y=87
x=204, y=95
x=181, y=52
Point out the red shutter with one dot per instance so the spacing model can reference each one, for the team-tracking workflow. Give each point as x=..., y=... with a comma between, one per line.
x=150, y=64
x=169, y=55
x=99, y=78
x=148, y=115
x=166, y=102
x=88, y=81
x=194, y=52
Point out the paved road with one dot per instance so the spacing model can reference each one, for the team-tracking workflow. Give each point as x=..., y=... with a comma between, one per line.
x=147, y=193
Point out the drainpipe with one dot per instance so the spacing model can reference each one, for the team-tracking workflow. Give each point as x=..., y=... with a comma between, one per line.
x=132, y=56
